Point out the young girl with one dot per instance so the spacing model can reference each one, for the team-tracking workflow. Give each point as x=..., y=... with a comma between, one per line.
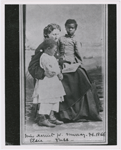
x=81, y=102
x=69, y=45
x=49, y=91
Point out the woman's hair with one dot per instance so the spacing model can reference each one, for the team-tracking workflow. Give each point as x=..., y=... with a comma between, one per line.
x=70, y=21
x=50, y=28
x=49, y=43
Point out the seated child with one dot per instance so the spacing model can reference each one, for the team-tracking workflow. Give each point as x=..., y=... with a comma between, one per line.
x=49, y=91
x=69, y=45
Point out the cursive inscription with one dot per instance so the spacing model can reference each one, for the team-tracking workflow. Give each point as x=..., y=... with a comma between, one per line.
x=45, y=135
x=62, y=137
x=28, y=136
x=34, y=140
x=80, y=134
x=97, y=134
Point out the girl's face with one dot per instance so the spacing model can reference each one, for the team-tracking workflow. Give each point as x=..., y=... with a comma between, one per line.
x=53, y=50
x=54, y=34
x=70, y=28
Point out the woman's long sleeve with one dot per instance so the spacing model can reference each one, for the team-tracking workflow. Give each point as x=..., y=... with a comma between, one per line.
x=60, y=49
x=34, y=68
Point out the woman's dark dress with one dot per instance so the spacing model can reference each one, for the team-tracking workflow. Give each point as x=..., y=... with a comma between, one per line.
x=81, y=102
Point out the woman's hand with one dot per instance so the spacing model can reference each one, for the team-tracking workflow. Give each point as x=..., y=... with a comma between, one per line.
x=61, y=62
x=60, y=76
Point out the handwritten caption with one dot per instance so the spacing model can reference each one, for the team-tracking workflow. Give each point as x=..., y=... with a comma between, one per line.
x=63, y=137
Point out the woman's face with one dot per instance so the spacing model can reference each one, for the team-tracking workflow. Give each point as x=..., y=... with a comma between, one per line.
x=55, y=34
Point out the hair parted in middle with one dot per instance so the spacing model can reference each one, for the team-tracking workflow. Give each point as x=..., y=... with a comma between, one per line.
x=49, y=43
x=48, y=29
x=70, y=21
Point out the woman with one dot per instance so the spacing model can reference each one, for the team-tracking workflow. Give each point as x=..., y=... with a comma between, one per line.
x=81, y=101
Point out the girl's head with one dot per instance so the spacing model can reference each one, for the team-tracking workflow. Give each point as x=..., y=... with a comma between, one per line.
x=50, y=46
x=52, y=30
x=71, y=26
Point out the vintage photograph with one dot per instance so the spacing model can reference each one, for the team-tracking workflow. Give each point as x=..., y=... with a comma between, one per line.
x=63, y=58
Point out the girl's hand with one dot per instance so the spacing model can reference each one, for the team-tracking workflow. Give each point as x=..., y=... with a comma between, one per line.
x=60, y=76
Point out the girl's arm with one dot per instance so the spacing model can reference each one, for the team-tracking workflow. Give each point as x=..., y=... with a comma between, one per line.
x=47, y=65
x=77, y=48
x=49, y=74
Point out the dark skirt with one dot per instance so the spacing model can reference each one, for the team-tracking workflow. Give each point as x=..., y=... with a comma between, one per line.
x=81, y=102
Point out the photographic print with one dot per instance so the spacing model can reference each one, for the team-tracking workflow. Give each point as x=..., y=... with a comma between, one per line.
x=63, y=61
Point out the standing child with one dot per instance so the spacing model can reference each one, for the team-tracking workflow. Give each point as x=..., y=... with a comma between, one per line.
x=49, y=91
x=69, y=45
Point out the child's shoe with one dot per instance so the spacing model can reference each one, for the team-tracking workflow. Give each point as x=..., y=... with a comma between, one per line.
x=34, y=110
x=53, y=120
x=46, y=123
x=43, y=121
x=57, y=122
